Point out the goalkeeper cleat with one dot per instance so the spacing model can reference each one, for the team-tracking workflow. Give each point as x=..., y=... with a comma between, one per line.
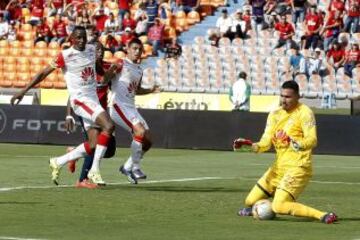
x=238, y=143
x=55, y=171
x=139, y=174
x=129, y=174
x=86, y=184
x=329, y=218
x=245, y=212
x=95, y=177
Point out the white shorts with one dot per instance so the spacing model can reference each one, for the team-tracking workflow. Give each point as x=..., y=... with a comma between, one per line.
x=88, y=109
x=126, y=116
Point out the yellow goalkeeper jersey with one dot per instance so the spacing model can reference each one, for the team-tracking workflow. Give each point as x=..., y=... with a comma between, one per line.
x=300, y=126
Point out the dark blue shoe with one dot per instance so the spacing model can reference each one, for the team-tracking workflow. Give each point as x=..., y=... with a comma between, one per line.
x=245, y=212
x=139, y=174
x=129, y=174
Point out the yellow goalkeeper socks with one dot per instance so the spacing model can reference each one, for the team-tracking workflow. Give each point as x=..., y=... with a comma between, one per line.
x=255, y=195
x=284, y=204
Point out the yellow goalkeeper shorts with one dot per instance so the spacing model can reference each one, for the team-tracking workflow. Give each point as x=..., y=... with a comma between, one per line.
x=293, y=180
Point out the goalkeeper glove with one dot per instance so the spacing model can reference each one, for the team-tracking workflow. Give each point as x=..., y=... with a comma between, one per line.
x=238, y=143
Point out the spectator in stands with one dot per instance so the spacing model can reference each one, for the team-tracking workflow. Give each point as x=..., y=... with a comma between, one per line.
x=100, y=15
x=128, y=22
x=213, y=39
x=13, y=11
x=126, y=37
x=124, y=6
x=269, y=7
x=141, y=11
x=37, y=12
x=43, y=32
x=335, y=57
x=314, y=64
x=257, y=22
x=111, y=44
x=238, y=28
x=336, y=5
x=92, y=35
x=141, y=25
x=12, y=34
x=59, y=30
x=286, y=31
x=352, y=59
x=298, y=10
x=352, y=16
x=313, y=24
x=247, y=18
x=83, y=19
x=188, y=5
x=331, y=29
x=111, y=24
x=155, y=36
x=164, y=10
x=56, y=7
x=4, y=28
x=70, y=13
x=297, y=63
x=240, y=93
x=224, y=24
x=283, y=7
x=152, y=11
x=173, y=49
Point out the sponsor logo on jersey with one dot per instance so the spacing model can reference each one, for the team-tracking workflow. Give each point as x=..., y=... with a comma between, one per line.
x=88, y=74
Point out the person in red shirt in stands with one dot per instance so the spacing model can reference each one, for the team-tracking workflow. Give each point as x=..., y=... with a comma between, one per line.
x=100, y=15
x=112, y=44
x=37, y=12
x=155, y=36
x=335, y=56
x=313, y=25
x=126, y=37
x=331, y=29
x=124, y=6
x=286, y=31
x=43, y=32
x=352, y=16
x=338, y=5
x=13, y=11
x=352, y=59
x=56, y=7
x=128, y=22
x=59, y=30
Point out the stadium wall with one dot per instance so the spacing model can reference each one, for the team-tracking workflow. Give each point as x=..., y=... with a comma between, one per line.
x=174, y=129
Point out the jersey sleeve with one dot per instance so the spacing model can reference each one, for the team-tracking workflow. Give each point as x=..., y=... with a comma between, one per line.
x=308, y=125
x=58, y=61
x=265, y=141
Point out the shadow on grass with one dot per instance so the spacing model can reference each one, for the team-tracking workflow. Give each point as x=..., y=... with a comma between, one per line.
x=176, y=188
x=20, y=203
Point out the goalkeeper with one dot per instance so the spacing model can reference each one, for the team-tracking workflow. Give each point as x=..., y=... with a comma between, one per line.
x=291, y=129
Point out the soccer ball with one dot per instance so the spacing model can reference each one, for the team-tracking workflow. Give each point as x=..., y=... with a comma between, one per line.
x=262, y=210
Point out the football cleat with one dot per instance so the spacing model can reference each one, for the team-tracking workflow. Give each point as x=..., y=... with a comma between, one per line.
x=238, y=143
x=95, y=177
x=55, y=171
x=129, y=174
x=245, y=212
x=139, y=174
x=86, y=184
x=329, y=218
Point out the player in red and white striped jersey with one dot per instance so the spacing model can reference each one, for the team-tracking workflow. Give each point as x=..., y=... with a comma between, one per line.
x=78, y=66
x=124, y=87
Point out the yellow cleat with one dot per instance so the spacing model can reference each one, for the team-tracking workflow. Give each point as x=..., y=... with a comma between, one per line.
x=55, y=171
x=95, y=177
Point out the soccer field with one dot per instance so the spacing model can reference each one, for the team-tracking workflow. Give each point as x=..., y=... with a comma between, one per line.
x=189, y=195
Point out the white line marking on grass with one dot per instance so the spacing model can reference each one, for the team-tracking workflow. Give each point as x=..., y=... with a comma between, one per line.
x=17, y=238
x=7, y=189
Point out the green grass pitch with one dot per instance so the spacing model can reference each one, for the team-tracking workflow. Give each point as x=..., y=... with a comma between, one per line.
x=189, y=195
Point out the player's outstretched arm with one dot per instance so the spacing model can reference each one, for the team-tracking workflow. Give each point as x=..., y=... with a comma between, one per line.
x=16, y=99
